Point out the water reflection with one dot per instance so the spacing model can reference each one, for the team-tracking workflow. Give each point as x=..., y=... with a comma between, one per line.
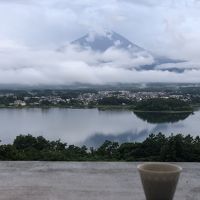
x=158, y=117
x=97, y=139
x=91, y=126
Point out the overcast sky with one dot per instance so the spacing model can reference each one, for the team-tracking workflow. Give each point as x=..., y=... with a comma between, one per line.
x=31, y=30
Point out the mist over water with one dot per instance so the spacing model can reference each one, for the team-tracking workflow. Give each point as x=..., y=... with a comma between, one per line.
x=88, y=126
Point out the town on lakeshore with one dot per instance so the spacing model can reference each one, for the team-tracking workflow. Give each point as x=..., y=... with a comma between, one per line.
x=122, y=97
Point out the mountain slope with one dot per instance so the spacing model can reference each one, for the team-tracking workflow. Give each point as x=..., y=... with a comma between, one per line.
x=102, y=42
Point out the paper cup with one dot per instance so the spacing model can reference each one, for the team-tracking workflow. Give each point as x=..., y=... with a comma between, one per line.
x=159, y=180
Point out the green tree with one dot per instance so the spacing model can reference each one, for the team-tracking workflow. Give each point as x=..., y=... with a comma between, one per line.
x=108, y=150
x=22, y=142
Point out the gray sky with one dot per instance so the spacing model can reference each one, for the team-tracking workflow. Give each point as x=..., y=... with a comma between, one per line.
x=30, y=31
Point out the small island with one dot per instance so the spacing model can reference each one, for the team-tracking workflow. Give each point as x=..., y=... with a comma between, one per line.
x=163, y=105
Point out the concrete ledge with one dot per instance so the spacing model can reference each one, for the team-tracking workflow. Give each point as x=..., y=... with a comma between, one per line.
x=85, y=181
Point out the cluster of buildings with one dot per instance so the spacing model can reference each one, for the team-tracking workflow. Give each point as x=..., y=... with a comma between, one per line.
x=86, y=98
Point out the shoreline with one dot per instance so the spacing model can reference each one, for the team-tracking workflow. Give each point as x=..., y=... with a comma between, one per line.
x=130, y=108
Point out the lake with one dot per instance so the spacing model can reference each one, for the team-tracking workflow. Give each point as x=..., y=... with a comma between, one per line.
x=92, y=126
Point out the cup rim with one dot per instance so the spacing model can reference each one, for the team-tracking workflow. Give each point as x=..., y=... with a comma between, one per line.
x=177, y=169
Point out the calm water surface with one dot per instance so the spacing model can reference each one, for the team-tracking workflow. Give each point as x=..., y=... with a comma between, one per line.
x=91, y=126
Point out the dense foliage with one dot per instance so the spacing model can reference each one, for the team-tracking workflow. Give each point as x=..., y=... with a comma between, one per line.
x=157, y=147
x=114, y=101
x=161, y=104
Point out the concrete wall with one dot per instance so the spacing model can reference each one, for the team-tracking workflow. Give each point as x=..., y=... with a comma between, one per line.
x=85, y=181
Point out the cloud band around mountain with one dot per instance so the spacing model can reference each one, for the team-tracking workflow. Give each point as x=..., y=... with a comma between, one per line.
x=23, y=65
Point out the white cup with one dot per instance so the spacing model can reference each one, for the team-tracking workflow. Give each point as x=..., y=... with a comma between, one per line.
x=159, y=180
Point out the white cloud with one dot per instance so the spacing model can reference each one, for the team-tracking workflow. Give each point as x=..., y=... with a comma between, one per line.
x=19, y=64
x=31, y=30
x=22, y=65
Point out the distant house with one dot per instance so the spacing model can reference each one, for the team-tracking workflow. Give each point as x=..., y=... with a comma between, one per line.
x=19, y=103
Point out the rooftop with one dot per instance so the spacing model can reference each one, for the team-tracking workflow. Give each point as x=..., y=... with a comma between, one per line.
x=85, y=181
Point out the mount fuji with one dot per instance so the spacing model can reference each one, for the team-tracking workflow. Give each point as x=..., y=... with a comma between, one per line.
x=108, y=39
x=102, y=42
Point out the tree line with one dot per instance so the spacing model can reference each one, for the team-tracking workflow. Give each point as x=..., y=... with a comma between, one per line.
x=156, y=147
x=161, y=104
